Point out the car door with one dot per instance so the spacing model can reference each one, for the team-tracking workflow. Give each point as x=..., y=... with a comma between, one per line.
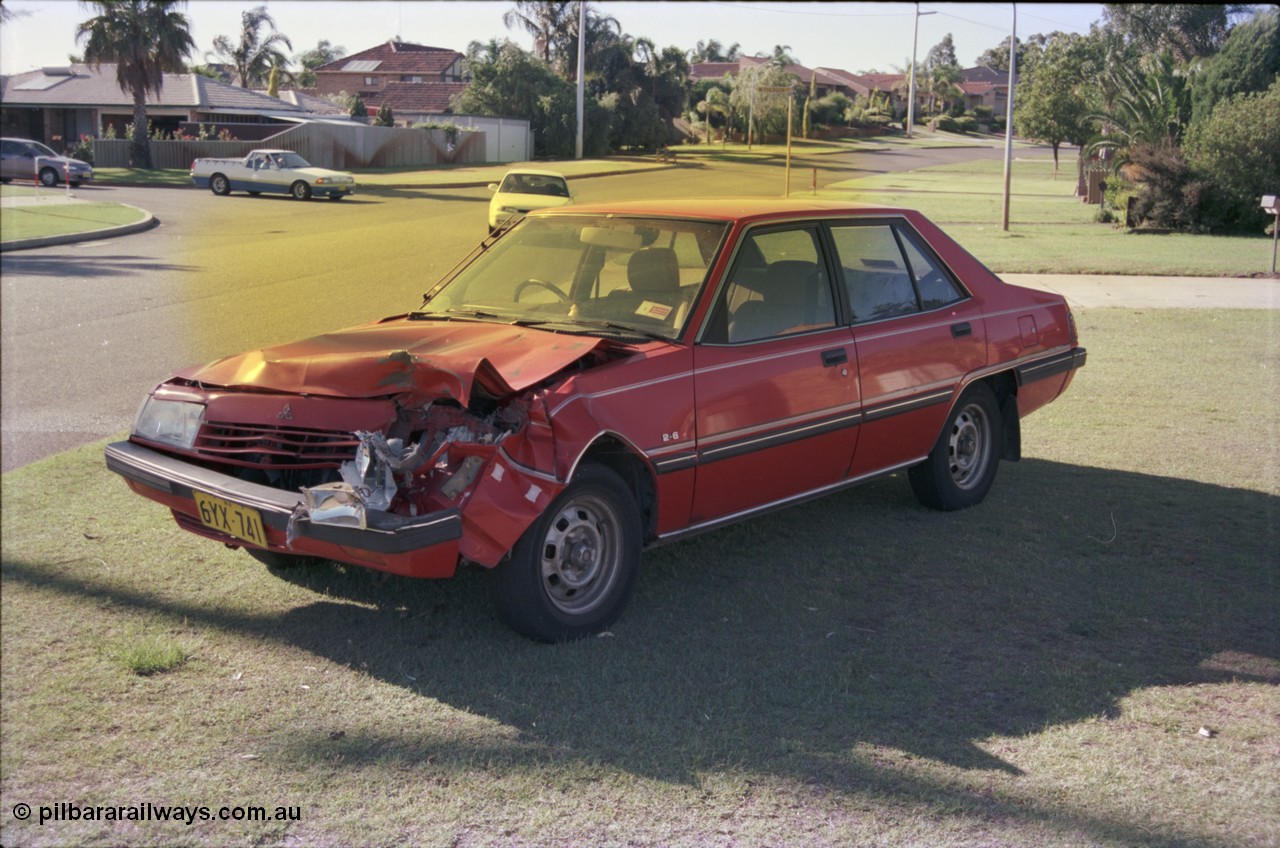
x=916, y=332
x=775, y=378
x=15, y=162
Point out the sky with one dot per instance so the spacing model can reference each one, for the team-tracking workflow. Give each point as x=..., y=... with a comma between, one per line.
x=850, y=36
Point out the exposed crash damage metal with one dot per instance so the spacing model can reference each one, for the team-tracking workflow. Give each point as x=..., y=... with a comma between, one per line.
x=458, y=461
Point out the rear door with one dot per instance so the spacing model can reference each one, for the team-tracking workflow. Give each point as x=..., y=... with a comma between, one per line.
x=917, y=333
x=775, y=378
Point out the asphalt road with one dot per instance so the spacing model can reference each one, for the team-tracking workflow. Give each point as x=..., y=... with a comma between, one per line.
x=89, y=328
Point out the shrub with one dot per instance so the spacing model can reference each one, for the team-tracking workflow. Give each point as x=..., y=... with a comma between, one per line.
x=983, y=113
x=1171, y=195
x=83, y=149
x=1240, y=145
x=947, y=124
x=967, y=124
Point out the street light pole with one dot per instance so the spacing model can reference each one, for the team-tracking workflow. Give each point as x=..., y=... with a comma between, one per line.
x=911, y=88
x=582, y=53
x=1008, y=121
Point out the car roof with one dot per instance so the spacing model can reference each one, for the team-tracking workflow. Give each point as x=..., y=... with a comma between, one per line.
x=534, y=172
x=730, y=208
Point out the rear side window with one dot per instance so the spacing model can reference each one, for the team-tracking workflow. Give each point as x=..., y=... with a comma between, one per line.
x=887, y=274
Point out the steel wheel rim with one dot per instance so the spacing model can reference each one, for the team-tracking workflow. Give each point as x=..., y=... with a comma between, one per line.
x=969, y=446
x=581, y=555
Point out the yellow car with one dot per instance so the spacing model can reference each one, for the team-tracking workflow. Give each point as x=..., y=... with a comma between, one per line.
x=523, y=191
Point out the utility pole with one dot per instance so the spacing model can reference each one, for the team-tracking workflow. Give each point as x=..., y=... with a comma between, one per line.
x=911, y=88
x=582, y=62
x=1008, y=120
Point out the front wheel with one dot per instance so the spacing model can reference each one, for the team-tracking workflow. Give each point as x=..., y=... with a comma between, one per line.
x=48, y=177
x=962, y=465
x=300, y=191
x=573, y=570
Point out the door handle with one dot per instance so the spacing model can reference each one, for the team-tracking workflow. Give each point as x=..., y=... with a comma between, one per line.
x=834, y=357
x=961, y=330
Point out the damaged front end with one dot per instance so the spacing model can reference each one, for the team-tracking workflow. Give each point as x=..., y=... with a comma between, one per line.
x=449, y=459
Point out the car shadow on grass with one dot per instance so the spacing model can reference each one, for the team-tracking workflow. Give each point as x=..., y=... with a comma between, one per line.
x=819, y=643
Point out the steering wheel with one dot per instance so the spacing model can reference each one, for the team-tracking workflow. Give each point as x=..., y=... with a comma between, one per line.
x=540, y=284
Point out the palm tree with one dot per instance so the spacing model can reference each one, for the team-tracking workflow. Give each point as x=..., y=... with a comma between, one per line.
x=254, y=56
x=545, y=21
x=145, y=39
x=782, y=56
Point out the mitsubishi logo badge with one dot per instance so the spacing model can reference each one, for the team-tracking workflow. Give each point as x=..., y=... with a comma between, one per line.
x=285, y=414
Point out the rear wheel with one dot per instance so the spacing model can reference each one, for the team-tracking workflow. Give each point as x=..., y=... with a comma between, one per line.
x=220, y=185
x=962, y=466
x=300, y=191
x=573, y=570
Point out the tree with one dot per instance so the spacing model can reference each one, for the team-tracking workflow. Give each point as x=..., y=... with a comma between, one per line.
x=714, y=51
x=253, y=56
x=1248, y=61
x=545, y=21
x=358, y=110
x=322, y=54
x=517, y=84
x=1187, y=30
x=1239, y=144
x=943, y=86
x=1152, y=108
x=1050, y=104
x=942, y=54
x=782, y=57
x=385, y=117
x=145, y=39
x=997, y=58
x=770, y=112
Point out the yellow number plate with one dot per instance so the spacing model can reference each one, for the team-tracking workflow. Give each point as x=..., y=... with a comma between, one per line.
x=239, y=521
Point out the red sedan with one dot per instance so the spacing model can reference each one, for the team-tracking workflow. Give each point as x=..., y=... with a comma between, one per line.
x=600, y=379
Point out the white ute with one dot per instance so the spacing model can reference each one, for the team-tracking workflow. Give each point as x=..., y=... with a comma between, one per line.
x=274, y=171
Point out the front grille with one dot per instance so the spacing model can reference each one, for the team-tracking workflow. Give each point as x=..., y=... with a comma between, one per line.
x=269, y=447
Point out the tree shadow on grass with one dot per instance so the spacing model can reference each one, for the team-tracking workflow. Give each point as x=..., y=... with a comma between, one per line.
x=806, y=643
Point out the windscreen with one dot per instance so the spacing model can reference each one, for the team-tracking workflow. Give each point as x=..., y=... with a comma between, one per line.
x=587, y=274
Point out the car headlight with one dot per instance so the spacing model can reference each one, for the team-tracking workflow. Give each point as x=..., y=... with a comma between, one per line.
x=169, y=422
x=511, y=210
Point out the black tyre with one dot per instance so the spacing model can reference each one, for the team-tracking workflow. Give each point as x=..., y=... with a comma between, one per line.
x=573, y=570
x=220, y=185
x=962, y=466
x=48, y=177
x=300, y=191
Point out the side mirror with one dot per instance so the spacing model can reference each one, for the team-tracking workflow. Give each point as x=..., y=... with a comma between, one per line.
x=493, y=186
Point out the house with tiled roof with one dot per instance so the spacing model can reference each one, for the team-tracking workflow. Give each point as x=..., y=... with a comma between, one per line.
x=58, y=105
x=826, y=80
x=370, y=71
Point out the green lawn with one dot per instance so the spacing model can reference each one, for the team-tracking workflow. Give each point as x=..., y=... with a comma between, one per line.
x=1051, y=230
x=853, y=671
x=56, y=217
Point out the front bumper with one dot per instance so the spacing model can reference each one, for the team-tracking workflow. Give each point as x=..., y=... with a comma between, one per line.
x=417, y=546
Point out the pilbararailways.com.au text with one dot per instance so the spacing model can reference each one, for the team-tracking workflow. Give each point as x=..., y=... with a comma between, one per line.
x=64, y=811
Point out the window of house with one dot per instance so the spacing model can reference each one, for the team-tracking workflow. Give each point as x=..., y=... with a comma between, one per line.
x=371, y=81
x=411, y=78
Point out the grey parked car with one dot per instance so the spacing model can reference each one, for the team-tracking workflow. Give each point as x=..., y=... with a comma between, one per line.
x=23, y=159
